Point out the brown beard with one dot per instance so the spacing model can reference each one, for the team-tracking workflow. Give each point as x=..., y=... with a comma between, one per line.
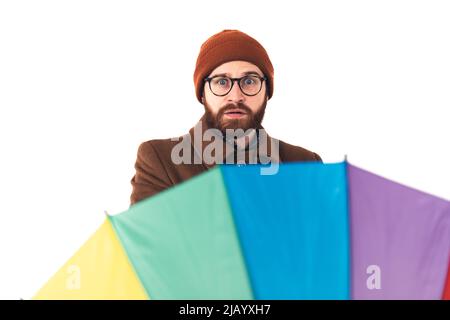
x=250, y=121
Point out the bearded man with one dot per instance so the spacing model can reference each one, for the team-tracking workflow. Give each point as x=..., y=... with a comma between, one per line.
x=234, y=79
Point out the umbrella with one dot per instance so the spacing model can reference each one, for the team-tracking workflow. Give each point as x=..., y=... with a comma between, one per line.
x=310, y=231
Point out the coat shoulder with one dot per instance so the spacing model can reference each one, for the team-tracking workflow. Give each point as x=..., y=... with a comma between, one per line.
x=161, y=148
x=292, y=153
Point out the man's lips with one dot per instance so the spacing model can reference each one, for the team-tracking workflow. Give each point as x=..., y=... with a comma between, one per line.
x=235, y=113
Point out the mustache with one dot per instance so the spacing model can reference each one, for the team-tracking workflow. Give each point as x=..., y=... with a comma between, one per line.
x=231, y=106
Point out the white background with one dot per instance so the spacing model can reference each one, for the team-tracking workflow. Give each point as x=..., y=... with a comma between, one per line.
x=83, y=83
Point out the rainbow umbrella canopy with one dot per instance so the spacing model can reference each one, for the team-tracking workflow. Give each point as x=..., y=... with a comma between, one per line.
x=310, y=231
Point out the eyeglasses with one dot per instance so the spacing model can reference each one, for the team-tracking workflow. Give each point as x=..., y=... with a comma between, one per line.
x=250, y=85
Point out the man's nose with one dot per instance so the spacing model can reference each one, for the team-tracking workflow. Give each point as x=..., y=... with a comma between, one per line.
x=235, y=95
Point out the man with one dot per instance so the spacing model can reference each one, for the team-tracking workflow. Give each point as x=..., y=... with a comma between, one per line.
x=233, y=79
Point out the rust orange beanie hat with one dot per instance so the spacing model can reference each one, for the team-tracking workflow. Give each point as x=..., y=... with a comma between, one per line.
x=230, y=45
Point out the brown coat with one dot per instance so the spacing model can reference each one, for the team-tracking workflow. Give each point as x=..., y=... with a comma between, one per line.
x=155, y=170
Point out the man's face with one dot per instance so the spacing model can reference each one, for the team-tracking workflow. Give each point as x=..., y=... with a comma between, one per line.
x=235, y=110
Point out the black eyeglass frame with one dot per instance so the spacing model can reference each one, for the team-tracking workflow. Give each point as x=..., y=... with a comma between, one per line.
x=238, y=80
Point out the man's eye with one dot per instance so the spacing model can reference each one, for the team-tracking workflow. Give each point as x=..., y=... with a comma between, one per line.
x=223, y=82
x=249, y=81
